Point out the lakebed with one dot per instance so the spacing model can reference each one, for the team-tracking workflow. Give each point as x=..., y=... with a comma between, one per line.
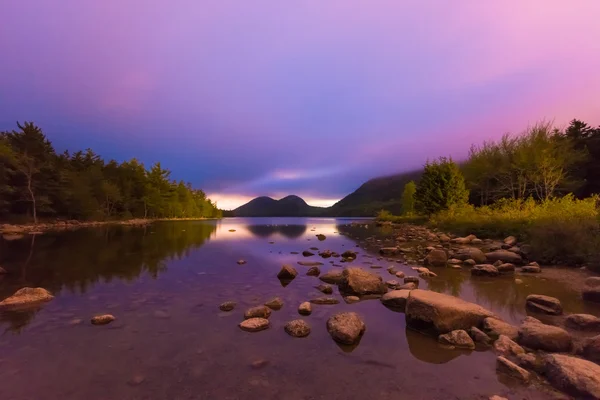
x=164, y=283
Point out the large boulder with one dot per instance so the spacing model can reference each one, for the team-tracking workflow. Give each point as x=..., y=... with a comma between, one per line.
x=26, y=297
x=436, y=258
x=441, y=312
x=506, y=347
x=333, y=277
x=287, y=273
x=495, y=327
x=572, y=375
x=543, y=304
x=538, y=336
x=458, y=338
x=484, y=270
x=359, y=282
x=346, y=327
x=505, y=256
x=583, y=322
x=591, y=349
x=470, y=253
x=396, y=299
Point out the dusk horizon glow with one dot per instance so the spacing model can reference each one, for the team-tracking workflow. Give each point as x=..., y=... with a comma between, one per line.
x=312, y=98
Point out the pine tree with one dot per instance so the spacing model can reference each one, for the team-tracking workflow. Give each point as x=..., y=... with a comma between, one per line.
x=441, y=186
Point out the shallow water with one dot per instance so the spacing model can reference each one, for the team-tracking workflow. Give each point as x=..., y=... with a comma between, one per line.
x=164, y=283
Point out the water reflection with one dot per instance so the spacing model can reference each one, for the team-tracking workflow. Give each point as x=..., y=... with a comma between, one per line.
x=289, y=231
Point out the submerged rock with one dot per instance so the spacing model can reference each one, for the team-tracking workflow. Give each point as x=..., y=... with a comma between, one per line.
x=26, y=297
x=227, y=306
x=327, y=289
x=543, y=304
x=458, y=338
x=254, y=324
x=357, y=281
x=577, y=377
x=305, y=308
x=346, y=327
x=443, y=313
x=102, y=319
x=258, y=312
x=297, y=328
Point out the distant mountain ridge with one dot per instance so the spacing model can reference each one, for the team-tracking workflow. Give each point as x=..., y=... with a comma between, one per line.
x=374, y=195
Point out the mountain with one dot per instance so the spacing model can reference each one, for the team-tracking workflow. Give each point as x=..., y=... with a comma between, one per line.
x=289, y=206
x=374, y=195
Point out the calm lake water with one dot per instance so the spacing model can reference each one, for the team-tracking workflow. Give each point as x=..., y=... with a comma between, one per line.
x=164, y=283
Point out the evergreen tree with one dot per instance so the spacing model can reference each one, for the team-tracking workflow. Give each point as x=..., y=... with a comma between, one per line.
x=441, y=186
x=408, y=198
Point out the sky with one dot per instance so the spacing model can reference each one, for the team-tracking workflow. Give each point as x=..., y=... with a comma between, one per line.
x=308, y=97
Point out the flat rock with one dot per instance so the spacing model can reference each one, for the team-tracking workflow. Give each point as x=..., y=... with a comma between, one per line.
x=458, y=338
x=227, y=306
x=583, y=322
x=549, y=338
x=333, y=277
x=102, y=319
x=504, y=346
x=484, y=270
x=325, y=300
x=305, y=308
x=572, y=375
x=274, y=304
x=307, y=253
x=441, y=312
x=254, y=324
x=26, y=297
x=297, y=328
x=505, y=366
x=357, y=281
x=495, y=327
x=258, y=312
x=396, y=299
x=310, y=263
x=346, y=327
x=287, y=272
x=543, y=304
x=505, y=256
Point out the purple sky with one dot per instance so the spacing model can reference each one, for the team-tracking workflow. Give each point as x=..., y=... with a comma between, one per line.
x=247, y=98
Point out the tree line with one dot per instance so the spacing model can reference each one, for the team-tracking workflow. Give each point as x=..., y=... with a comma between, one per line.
x=37, y=182
x=543, y=162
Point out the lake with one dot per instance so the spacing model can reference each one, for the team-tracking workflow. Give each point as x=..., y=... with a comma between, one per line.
x=164, y=283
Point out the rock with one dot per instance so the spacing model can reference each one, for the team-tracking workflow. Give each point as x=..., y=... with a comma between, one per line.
x=507, y=367
x=495, y=327
x=583, y=322
x=510, y=241
x=591, y=290
x=577, y=377
x=305, y=308
x=333, y=277
x=518, y=281
x=549, y=338
x=496, y=397
x=444, y=238
x=349, y=254
x=102, y=319
x=470, y=253
x=591, y=349
x=297, y=328
x=470, y=262
x=458, y=338
x=506, y=347
x=313, y=271
x=307, y=253
x=543, y=304
x=321, y=237
x=274, y=304
x=480, y=337
x=241, y=262
x=531, y=269
x=388, y=251
x=497, y=263
x=360, y=282
x=528, y=361
x=254, y=324
x=287, y=272
x=593, y=281
x=325, y=253
x=258, y=364
x=227, y=306
x=454, y=261
x=324, y=289
x=506, y=268
x=310, y=263
x=412, y=279
x=400, y=274
x=392, y=270
x=408, y=286
x=258, y=312
x=505, y=256
x=442, y=312
x=325, y=300
x=26, y=297
x=351, y=299
x=396, y=299
x=436, y=258
x=476, y=241
x=484, y=270
x=531, y=320
x=464, y=240
x=393, y=284
x=346, y=327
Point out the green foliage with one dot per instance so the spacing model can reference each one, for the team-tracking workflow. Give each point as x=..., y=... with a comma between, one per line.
x=408, y=198
x=441, y=186
x=35, y=180
x=586, y=139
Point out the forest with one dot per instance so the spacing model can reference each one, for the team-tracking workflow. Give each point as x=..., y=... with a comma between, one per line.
x=541, y=185
x=37, y=183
